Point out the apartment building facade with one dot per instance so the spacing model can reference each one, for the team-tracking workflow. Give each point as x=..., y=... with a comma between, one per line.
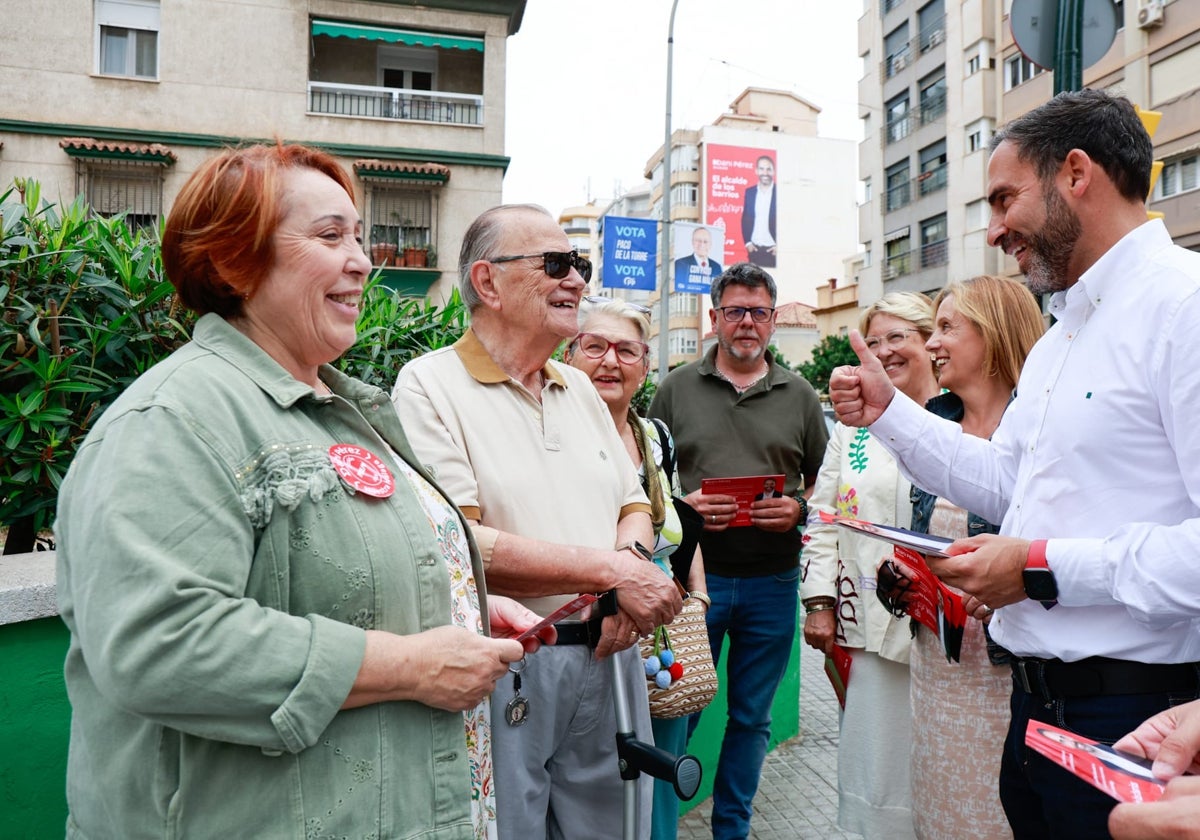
x=814, y=183
x=119, y=101
x=940, y=75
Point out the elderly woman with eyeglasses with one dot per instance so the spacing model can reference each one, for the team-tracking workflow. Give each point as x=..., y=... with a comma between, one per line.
x=611, y=349
x=858, y=478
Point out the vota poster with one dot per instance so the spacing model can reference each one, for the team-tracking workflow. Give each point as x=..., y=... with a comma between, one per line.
x=741, y=196
x=630, y=251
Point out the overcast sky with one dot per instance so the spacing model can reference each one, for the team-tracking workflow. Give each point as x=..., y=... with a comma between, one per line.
x=586, y=82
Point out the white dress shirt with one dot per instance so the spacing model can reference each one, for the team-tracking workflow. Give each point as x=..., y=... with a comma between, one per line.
x=761, y=235
x=1100, y=454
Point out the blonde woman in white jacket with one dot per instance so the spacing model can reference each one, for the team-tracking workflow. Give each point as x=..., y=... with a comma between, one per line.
x=858, y=478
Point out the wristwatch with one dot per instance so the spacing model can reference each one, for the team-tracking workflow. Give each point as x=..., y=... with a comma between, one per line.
x=1040, y=584
x=637, y=548
x=798, y=495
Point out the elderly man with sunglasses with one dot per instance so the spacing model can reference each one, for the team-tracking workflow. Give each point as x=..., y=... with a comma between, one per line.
x=527, y=449
x=738, y=413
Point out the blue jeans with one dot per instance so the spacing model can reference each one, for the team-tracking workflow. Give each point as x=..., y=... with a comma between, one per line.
x=1046, y=802
x=758, y=614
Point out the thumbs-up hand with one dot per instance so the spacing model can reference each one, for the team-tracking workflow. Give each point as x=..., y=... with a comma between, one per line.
x=861, y=392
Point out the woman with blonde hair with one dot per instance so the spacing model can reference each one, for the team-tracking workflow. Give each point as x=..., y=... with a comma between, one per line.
x=858, y=478
x=983, y=331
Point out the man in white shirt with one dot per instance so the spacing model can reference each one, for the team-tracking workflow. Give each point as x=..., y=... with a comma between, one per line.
x=1094, y=472
x=758, y=215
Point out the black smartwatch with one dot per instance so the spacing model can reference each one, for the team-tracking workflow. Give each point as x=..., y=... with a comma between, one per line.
x=637, y=548
x=1039, y=581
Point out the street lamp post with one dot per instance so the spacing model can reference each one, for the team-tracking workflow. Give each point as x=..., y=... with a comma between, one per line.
x=1068, y=52
x=664, y=282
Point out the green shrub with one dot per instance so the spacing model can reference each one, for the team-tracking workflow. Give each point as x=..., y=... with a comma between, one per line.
x=394, y=329
x=86, y=309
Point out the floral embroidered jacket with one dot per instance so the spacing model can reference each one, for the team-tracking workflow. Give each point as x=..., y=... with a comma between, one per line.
x=217, y=578
x=858, y=478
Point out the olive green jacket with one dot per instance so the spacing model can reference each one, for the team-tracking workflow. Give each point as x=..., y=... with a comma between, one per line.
x=217, y=578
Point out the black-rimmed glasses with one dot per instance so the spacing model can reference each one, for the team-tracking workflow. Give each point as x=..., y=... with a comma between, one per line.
x=596, y=346
x=636, y=307
x=556, y=264
x=758, y=314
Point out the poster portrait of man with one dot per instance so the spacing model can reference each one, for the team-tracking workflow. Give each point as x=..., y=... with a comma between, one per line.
x=697, y=269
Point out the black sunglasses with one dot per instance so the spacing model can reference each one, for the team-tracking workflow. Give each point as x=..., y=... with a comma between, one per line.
x=556, y=264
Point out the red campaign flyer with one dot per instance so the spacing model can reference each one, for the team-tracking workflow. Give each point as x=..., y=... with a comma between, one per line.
x=837, y=668
x=1124, y=777
x=567, y=609
x=926, y=598
x=931, y=602
x=924, y=543
x=746, y=489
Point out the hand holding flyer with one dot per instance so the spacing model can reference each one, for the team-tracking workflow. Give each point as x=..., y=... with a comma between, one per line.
x=567, y=609
x=837, y=668
x=906, y=584
x=1124, y=777
x=923, y=543
x=746, y=489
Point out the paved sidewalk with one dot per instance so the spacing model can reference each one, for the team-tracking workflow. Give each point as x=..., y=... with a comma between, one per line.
x=797, y=795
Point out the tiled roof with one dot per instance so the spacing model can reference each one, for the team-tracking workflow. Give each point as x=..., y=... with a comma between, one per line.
x=404, y=169
x=116, y=149
x=795, y=315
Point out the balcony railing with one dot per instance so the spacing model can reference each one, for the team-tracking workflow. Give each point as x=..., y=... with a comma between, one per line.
x=898, y=265
x=899, y=195
x=927, y=256
x=932, y=180
x=933, y=107
x=395, y=103
x=902, y=194
x=933, y=35
x=931, y=110
x=935, y=253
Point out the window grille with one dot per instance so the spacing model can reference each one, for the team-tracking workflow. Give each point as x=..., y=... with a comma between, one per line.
x=113, y=187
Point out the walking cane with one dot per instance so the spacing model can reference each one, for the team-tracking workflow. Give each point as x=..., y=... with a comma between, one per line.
x=634, y=757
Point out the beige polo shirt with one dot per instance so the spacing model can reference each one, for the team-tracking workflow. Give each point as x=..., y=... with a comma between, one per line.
x=555, y=471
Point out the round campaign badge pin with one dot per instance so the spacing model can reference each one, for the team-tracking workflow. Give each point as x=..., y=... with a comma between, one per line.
x=362, y=469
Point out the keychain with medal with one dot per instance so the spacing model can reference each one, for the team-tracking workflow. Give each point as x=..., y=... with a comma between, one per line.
x=517, y=710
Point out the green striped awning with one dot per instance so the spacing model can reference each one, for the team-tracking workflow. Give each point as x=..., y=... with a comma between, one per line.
x=408, y=37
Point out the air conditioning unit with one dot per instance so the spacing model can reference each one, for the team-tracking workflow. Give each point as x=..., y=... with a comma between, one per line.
x=1151, y=14
x=899, y=63
x=936, y=37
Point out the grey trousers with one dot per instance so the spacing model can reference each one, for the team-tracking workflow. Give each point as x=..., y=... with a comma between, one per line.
x=556, y=776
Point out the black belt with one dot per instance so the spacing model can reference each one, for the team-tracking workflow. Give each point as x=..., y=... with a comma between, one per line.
x=579, y=632
x=1052, y=679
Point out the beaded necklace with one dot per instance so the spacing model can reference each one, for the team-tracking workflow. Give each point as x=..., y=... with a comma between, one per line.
x=741, y=388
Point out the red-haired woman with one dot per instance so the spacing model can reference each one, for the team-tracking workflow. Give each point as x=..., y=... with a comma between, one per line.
x=276, y=628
